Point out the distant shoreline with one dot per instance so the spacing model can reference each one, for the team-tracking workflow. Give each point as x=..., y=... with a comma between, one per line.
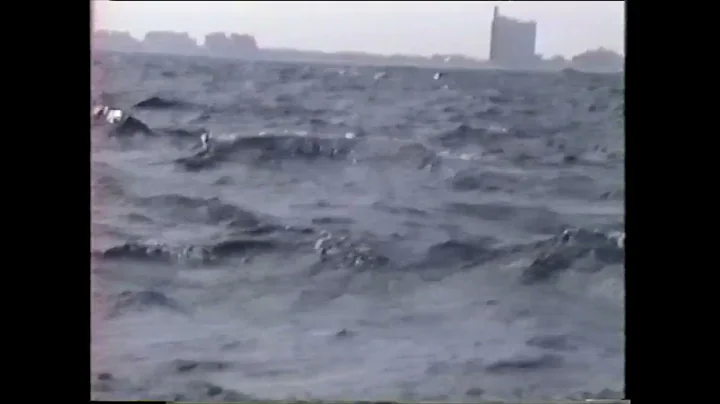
x=330, y=59
x=245, y=47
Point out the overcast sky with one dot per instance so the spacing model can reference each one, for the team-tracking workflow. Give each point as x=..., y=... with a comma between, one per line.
x=411, y=27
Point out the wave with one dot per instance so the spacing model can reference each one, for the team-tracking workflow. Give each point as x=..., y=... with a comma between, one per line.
x=339, y=249
x=266, y=148
x=160, y=103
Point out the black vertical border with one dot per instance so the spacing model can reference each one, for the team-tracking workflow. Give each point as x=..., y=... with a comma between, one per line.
x=670, y=173
x=46, y=85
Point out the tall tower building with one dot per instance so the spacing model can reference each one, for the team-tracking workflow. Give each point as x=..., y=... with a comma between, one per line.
x=493, y=34
x=512, y=42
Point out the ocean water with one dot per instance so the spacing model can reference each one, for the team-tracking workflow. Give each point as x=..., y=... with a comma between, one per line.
x=358, y=233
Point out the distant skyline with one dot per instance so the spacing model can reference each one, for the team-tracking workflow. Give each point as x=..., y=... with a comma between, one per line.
x=408, y=27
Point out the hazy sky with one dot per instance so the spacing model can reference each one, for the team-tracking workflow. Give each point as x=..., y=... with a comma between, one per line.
x=412, y=27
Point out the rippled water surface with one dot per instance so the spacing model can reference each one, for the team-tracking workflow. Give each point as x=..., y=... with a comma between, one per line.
x=356, y=233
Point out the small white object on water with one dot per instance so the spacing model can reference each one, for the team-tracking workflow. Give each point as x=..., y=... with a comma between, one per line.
x=319, y=244
x=205, y=140
x=113, y=115
x=349, y=135
x=619, y=238
x=437, y=76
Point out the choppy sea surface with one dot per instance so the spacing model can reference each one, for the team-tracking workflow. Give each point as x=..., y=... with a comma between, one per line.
x=358, y=233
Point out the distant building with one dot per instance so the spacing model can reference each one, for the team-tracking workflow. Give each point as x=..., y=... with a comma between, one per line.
x=234, y=45
x=556, y=62
x=599, y=60
x=116, y=41
x=512, y=42
x=170, y=42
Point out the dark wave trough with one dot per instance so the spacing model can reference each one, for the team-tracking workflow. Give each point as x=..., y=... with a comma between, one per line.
x=355, y=235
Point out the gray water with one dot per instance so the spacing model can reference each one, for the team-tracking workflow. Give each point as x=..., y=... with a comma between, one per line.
x=360, y=237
